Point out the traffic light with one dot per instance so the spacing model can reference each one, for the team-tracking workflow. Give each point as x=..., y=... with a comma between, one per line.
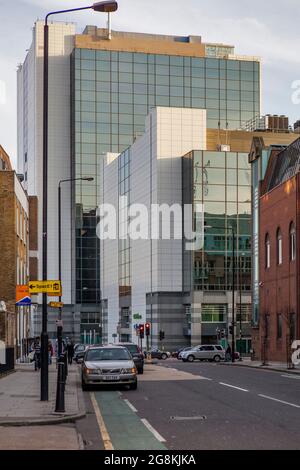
x=148, y=328
x=223, y=332
x=161, y=335
x=231, y=330
x=142, y=331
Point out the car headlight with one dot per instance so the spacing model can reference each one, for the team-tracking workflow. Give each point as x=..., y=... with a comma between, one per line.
x=129, y=371
x=93, y=371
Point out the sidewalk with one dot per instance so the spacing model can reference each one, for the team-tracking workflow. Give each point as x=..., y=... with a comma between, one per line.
x=20, y=403
x=275, y=366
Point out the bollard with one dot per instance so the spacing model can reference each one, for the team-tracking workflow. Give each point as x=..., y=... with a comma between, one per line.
x=66, y=364
x=60, y=389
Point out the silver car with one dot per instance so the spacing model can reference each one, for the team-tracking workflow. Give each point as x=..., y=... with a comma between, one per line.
x=204, y=353
x=108, y=365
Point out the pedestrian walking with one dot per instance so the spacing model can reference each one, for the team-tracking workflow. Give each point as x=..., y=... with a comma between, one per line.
x=70, y=350
x=50, y=352
x=228, y=354
x=37, y=354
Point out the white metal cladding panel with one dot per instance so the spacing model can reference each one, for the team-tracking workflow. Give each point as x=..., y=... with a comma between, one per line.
x=110, y=248
x=141, y=249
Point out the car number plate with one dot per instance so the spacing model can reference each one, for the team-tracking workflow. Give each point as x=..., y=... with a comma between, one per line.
x=111, y=378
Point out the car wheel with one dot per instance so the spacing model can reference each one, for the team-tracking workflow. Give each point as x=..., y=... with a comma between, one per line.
x=141, y=370
x=217, y=359
x=191, y=358
x=133, y=386
x=164, y=357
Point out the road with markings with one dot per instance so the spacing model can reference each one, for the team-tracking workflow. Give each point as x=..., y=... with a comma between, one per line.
x=196, y=406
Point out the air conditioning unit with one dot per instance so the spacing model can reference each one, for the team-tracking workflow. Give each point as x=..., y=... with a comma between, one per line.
x=223, y=148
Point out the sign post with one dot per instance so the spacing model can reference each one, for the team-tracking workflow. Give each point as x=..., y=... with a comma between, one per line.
x=56, y=305
x=45, y=287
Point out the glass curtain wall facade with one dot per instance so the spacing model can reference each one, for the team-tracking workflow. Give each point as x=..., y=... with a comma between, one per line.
x=222, y=183
x=124, y=243
x=112, y=92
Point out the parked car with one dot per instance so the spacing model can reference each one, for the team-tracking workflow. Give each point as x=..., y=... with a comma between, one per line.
x=79, y=351
x=204, y=353
x=158, y=354
x=177, y=354
x=137, y=355
x=108, y=365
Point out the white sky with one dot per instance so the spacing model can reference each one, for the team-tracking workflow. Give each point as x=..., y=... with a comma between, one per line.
x=269, y=29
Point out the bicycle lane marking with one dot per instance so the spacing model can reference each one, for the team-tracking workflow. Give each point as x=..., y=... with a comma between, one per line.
x=126, y=430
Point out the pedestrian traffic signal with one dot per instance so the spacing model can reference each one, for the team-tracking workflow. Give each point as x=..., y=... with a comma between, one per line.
x=161, y=335
x=148, y=327
x=142, y=331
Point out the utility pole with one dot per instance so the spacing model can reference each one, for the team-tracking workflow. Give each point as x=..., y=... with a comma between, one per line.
x=233, y=295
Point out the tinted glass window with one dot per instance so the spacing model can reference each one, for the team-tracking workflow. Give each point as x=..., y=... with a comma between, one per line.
x=108, y=355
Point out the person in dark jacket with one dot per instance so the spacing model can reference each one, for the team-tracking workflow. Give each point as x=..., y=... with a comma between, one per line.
x=37, y=354
x=228, y=354
x=70, y=350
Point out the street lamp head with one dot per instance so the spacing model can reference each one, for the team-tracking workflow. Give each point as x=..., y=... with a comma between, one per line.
x=106, y=7
x=87, y=178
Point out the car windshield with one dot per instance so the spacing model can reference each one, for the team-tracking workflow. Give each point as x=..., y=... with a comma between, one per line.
x=107, y=354
x=132, y=348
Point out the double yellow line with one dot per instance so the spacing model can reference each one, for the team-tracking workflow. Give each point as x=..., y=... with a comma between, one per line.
x=103, y=430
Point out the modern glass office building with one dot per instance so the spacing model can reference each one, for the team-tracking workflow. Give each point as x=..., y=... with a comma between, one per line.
x=220, y=183
x=113, y=89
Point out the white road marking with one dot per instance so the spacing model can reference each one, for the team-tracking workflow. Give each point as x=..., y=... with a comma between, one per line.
x=232, y=386
x=291, y=377
x=131, y=406
x=154, y=432
x=280, y=401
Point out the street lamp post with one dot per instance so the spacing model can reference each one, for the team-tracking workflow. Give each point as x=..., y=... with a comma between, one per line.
x=233, y=292
x=60, y=402
x=105, y=7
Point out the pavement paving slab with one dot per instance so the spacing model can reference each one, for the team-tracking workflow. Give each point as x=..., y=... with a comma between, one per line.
x=20, y=397
x=59, y=437
x=275, y=366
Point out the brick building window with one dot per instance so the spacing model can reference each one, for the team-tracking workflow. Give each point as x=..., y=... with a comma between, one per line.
x=292, y=242
x=279, y=247
x=267, y=252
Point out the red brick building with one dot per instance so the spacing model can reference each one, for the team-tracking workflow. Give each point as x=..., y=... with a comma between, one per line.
x=279, y=240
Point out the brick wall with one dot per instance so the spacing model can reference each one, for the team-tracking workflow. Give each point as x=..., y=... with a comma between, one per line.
x=278, y=295
x=8, y=249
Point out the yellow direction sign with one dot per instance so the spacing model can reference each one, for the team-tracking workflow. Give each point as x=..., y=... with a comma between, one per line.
x=45, y=287
x=56, y=304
